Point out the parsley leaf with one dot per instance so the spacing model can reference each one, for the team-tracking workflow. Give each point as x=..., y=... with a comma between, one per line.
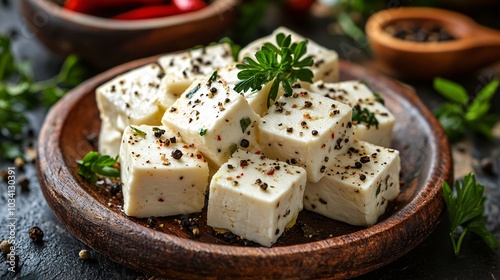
x=466, y=211
x=363, y=115
x=462, y=115
x=244, y=123
x=94, y=164
x=138, y=131
x=379, y=98
x=282, y=64
x=19, y=94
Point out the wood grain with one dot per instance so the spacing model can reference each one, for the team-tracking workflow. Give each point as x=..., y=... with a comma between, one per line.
x=335, y=251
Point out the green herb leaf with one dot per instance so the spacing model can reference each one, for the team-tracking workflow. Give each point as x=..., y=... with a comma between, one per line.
x=138, y=131
x=363, y=115
x=282, y=65
x=350, y=28
x=379, y=98
x=19, y=94
x=193, y=91
x=466, y=210
x=244, y=123
x=94, y=164
x=458, y=117
x=213, y=77
x=481, y=104
x=203, y=131
x=451, y=90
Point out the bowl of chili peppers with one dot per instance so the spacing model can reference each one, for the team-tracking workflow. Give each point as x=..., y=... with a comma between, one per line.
x=106, y=33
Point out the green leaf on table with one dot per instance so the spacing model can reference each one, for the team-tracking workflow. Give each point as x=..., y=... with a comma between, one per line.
x=451, y=91
x=19, y=94
x=458, y=117
x=10, y=151
x=481, y=104
x=72, y=72
x=466, y=210
x=350, y=28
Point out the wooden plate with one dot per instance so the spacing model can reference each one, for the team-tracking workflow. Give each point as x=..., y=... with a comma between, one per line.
x=316, y=247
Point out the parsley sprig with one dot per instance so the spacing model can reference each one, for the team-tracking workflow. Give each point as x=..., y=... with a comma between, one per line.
x=363, y=115
x=94, y=164
x=283, y=63
x=19, y=93
x=463, y=114
x=466, y=211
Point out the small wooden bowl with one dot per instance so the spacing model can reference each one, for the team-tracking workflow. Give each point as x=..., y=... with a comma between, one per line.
x=475, y=46
x=335, y=250
x=104, y=43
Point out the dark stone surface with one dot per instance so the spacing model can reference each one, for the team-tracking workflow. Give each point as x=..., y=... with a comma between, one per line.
x=57, y=256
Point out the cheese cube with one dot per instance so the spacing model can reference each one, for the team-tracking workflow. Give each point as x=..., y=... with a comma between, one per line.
x=257, y=99
x=161, y=174
x=215, y=118
x=181, y=69
x=308, y=130
x=109, y=139
x=359, y=96
x=255, y=197
x=357, y=188
x=132, y=98
x=326, y=61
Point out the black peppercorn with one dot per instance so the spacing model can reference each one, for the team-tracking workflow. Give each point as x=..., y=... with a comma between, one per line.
x=36, y=234
x=177, y=154
x=244, y=143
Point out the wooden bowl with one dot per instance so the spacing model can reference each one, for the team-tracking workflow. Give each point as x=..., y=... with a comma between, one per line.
x=104, y=43
x=475, y=46
x=334, y=251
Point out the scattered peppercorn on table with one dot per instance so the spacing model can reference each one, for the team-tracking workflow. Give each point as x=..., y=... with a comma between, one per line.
x=57, y=252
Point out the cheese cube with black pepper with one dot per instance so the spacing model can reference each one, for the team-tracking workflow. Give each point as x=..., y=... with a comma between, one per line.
x=181, y=69
x=160, y=173
x=255, y=197
x=308, y=130
x=215, y=118
x=132, y=98
x=257, y=99
x=109, y=139
x=358, y=187
x=360, y=97
x=326, y=61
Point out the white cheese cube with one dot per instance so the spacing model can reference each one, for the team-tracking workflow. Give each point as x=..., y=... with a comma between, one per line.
x=308, y=130
x=132, y=98
x=215, y=118
x=182, y=69
x=109, y=139
x=359, y=96
x=326, y=61
x=257, y=99
x=358, y=187
x=255, y=197
x=161, y=174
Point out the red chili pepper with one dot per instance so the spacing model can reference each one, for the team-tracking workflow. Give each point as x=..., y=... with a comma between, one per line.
x=149, y=12
x=160, y=10
x=298, y=6
x=189, y=5
x=94, y=6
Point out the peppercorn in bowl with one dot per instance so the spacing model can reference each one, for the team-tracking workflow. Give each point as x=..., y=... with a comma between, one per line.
x=108, y=33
